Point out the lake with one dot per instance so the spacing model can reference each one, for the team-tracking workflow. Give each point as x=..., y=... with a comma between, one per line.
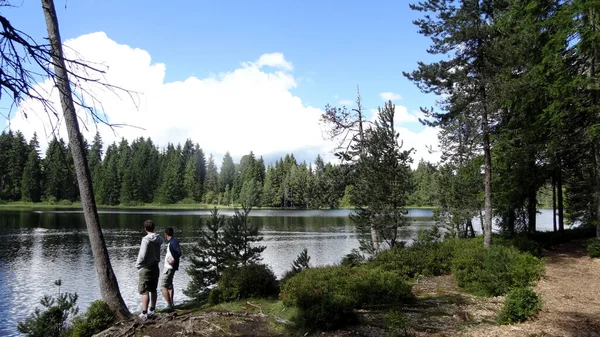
x=39, y=247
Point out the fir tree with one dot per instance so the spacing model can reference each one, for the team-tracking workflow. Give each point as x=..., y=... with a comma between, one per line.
x=383, y=183
x=208, y=258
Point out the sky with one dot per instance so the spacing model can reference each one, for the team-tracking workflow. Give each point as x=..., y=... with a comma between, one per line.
x=236, y=75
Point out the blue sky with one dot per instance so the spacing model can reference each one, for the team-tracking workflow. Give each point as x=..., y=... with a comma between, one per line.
x=332, y=45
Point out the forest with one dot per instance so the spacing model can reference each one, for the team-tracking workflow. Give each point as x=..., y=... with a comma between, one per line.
x=141, y=172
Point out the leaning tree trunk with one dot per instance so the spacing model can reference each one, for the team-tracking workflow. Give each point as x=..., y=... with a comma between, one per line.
x=109, y=288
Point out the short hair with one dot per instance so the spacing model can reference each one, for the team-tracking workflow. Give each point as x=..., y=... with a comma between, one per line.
x=169, y=231
x=149, y=225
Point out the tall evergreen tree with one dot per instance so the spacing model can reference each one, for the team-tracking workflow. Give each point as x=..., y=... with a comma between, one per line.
x=208, y=258
x=110, y=183
x=383, y=183
x=95, y=160
x=211, y=186
x=31, y=189
x=170, y=190
x=465, y=32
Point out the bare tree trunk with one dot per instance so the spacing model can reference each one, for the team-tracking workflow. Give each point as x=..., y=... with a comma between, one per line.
x=361, y=137
x=559, y=197
x=554, y=202
x=109, y=288
x=487, y=152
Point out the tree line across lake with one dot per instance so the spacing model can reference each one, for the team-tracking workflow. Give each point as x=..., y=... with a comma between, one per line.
x=140, y=172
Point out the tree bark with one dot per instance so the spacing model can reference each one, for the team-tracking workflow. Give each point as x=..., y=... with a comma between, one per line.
x=554, y=202
x=532, y=211
x=109, y=288
x=559, y=197
x=487, y=153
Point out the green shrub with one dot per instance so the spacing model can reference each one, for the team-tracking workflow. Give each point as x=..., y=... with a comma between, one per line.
x=326, y=297
x=493, y=271
x=65, y=202
x=214, y=297
x=519, y=305
x=593, y=248
x=97, y=318
x=250, y=281
x=426, y=258
x=522, y=243
x=353, y=259
x=301, y=262
x=397, y=323
x=50, y=322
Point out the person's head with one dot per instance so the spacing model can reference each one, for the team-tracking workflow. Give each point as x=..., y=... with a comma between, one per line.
x=149, y=226
x=169, y=232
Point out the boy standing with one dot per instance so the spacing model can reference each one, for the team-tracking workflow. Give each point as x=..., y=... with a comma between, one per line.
x=147, y=265
x=171, y=265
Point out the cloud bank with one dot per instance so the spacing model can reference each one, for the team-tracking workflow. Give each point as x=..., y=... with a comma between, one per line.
x=246, y=109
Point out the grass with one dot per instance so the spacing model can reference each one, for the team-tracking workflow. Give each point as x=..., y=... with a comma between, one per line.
x=274, y=309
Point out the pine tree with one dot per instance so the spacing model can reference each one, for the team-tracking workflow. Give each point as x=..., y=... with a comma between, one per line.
x=31, y=189
x=467, y=33
x=110, y=184
x=95, y=160
x=227, y=173
x=170, y=190
x=208, y=258
x=242, y=240
x=383, y=183
x=191, y=181
x=211, y=186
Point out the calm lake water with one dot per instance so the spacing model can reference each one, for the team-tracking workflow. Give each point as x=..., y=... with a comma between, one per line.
x=39, y=247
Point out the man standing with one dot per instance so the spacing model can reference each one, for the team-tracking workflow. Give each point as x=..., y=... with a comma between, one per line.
x=171, y=265
x=147, y=265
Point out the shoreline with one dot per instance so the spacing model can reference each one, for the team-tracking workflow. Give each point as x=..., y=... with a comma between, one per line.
x=24, y=206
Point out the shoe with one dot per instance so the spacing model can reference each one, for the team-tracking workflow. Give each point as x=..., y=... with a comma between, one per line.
x=143, y=316
x=168, y=308
x=151, y=313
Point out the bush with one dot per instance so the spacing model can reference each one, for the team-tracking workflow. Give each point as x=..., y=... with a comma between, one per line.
x=97, y=318
x=522, y=243
x=397, y=323
x=353, y=259
x=50, y=322
x=519, y=305
x=326, y=297
x=65, y=202
x=493, y=271
x=250, y=281
x=301, y=262
x=425, y=258
x=593, y=248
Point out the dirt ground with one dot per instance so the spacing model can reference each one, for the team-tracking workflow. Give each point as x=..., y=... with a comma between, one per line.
x=570, y=292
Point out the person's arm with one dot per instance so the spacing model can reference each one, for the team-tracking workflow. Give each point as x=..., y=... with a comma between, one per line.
x=142, y=253
x=175, y=249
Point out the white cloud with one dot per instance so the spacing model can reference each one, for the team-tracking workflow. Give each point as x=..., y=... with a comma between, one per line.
x=347, y=102
x=390, y=96
x=421, y=142
x=246, y=109
x=275, y=60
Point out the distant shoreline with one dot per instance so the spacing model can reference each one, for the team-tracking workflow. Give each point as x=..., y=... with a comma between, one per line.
x=24, y=206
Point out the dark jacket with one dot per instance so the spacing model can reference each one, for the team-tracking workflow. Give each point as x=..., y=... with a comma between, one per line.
x=175, y=250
